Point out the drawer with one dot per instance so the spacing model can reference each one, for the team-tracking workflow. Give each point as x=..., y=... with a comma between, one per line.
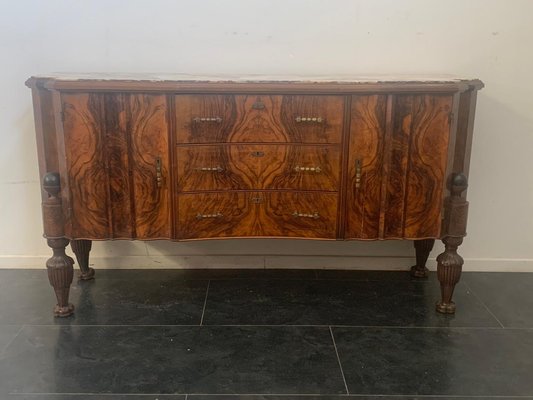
x=254, y=167
x=259, y=118
x=238, y=214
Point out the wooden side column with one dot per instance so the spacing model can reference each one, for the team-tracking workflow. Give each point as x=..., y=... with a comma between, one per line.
x=450, y=263
x=59, y=266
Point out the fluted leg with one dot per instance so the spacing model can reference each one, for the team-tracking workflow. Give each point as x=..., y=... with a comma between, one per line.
x=449, y=267
x=81, y=249
x=60, y=274
x=422, y=249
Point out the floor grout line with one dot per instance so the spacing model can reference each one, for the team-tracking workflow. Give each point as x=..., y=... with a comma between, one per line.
x=12, y=340
x=484, y=305
x=205, y=302
x=339, y=360
x=186, y=396
x=285, y=326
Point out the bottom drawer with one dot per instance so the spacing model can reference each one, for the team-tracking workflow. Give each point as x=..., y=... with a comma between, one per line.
x=241, y=214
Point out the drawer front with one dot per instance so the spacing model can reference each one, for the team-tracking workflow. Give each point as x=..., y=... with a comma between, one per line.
x=238, y=214
x=225, y=167
x=259, y=118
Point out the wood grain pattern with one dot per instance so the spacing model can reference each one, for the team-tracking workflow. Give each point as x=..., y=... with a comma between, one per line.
x=86, y=164
x=112, y=142
x=400, y=194
x=225, y=167
x=367, y=133
x=258, y=118
x=430, y=133
x=259, y=214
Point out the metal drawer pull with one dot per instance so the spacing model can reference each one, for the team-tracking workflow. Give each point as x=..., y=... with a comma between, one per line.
x=357, y=173
x=210, y=169
x=315, y=215
x=218, y=120
x=158, y=172
x=258, y=105
x=308, y=169
x=203, y=216
x=310, y=119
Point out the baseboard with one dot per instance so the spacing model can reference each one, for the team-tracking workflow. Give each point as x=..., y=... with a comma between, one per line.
x=272, y=261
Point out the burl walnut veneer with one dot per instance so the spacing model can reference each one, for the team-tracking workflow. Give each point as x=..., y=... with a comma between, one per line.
x=185, y=158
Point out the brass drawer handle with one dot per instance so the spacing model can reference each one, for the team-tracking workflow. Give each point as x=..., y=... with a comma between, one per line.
x=308, y=169
x=204, y=216
x=210, y=169
x=158, y=172
x=218, y=120
x=358, y=173
x=318, y=120
x=315, y=215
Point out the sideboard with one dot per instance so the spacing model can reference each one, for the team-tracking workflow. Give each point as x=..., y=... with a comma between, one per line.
x=188, y=158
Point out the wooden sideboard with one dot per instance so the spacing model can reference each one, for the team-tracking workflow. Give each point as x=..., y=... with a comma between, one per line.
x=186, y=158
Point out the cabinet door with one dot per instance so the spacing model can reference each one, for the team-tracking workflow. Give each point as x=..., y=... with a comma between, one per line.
x=117, y=164
x=396, y=166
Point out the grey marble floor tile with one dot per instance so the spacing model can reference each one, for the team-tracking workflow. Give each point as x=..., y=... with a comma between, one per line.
x=460, y=362
x=171, y=360
x=339, y=302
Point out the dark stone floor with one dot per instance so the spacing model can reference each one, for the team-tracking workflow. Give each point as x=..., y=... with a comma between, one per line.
x=274, y=334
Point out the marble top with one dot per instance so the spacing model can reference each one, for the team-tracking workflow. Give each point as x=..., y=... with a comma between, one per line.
x=254, y=78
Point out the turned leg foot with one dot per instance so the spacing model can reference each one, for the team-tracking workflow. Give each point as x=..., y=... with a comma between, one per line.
x=60, y=273
x=422, y=249
x=81, y=249
x=449, y=266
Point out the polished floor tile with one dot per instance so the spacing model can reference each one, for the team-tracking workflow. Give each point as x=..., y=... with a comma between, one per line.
x=7, y=334
x=105, y=302
x=406, y=361
x=338, y=302
x=508, y=295
x=171, y=360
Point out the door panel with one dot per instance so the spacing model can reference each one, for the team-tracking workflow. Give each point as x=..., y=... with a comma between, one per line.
x=367, y=139
x=114, y=144
x=401, y=145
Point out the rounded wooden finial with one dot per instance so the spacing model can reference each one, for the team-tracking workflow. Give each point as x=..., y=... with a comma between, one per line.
x=52, y=183
x=459, y=184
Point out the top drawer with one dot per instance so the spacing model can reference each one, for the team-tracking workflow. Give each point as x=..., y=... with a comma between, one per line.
x=259, y=119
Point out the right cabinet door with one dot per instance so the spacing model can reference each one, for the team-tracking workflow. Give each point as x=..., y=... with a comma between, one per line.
x=398, y=151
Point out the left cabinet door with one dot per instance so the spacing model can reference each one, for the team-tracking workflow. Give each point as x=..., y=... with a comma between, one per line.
x=116, y=165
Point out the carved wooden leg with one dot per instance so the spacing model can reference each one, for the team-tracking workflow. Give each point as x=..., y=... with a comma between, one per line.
x=449, y=263
x=60, y=272
x=449, y=267
x=422, y=249
x=81, y=249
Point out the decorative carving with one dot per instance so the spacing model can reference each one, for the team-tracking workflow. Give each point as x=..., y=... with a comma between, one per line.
x=450, y=263
x=422, y=249
x=81, y=249
x=59, y=266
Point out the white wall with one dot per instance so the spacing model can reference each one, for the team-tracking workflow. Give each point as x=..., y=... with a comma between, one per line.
x=486, y=39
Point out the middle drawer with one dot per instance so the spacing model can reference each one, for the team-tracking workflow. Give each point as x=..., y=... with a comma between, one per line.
x=245, y=167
